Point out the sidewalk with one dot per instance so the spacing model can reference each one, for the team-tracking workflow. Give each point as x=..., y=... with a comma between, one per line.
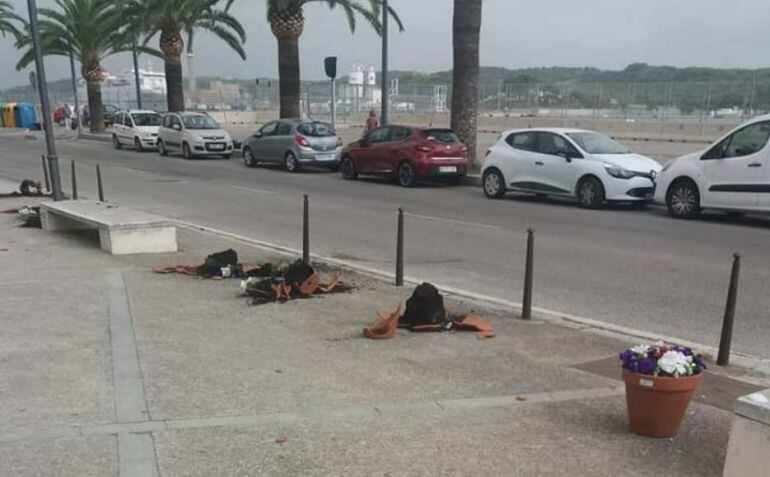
x=109, y=369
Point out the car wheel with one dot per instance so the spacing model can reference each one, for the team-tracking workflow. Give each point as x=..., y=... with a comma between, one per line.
x=493, y=184
x=116, y=142
x=590, y=193
x=348, y=169
x=138, y=144
x=291, y=162
x=407, y=176
x=683, y=200
x=186, y=151
x=248, y=158
x=162, y=148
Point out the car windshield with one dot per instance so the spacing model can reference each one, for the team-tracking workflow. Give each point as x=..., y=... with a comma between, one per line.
x=199, y=122
x=595, y=143
x=146, y=119
x=443, y=136
x=316, y=129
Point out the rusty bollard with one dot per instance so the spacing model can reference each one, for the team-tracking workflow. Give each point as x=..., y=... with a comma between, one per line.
x=725, y=340
x=400, y=249
x=526, y=307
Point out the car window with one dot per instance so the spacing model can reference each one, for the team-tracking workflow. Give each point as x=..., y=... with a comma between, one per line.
x=145, y=119
x=399, y=134
x=748, y=140
x=378, y=136
x=175, y=121
x=119, y=118
x=526, y=141
x=442, y=136
x=283, y=129
x=199, y=122
x=316, y=129
x=126, y=119
x=597, y=143
x=268, y=129
x=553, y=144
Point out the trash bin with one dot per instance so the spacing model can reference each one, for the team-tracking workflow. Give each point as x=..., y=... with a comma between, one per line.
x=24, y=114
x=2, y=115
x=10, y=121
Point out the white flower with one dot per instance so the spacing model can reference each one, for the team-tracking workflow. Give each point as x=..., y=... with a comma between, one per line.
x=641, y=349
x=674, y=363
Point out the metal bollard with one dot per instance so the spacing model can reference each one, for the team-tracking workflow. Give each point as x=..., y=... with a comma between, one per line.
x=45, y=174
x=400, y=249
x=526, y=306
x=725, y=341
x=306, y=231
x=99, y=183
x=74, y=181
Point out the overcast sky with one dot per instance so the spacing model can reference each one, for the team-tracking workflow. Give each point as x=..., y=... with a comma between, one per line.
x=515, y=33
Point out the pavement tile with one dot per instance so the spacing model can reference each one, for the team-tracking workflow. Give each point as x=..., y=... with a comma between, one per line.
x=87, y=457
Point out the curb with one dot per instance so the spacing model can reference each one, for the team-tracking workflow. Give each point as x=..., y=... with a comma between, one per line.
x=95, y=137
x=623, y=333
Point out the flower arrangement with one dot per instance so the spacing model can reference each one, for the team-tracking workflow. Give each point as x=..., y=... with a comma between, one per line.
x=661, y=359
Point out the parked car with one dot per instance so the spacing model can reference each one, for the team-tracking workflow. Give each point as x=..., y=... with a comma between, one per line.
x=294, y=143
x=733, y=174
x=586, y=165
x=408, y=154
x=193, y=134
x=108, y=113
x=136, y=127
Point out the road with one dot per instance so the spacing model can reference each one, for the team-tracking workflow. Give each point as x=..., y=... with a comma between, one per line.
x=633, y=268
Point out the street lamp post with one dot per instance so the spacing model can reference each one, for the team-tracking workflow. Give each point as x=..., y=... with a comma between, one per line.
x=53, y=160
x=136, y=75
x=385, y=80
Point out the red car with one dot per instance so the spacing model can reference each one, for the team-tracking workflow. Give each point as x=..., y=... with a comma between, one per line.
x=407, y=154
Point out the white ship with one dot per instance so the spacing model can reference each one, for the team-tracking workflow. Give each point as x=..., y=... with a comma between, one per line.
x=120, y=90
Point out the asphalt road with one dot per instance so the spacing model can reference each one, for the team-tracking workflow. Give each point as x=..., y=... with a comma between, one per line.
x=634, y=268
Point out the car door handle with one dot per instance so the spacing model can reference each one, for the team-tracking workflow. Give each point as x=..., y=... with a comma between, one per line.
x=755, y=164
x=539, y=163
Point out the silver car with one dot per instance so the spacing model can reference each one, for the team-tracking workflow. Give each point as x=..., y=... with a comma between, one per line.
x=294, y=143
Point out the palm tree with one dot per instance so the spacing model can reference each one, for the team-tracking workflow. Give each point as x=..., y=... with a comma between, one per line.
x=8, y=19
x=466, y=30
x=287, y=21
x=87, y=28
x=172, y=18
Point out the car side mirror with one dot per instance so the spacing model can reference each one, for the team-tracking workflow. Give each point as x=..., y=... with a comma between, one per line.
x=257, y=135
x=565, y=154
x=177, y=127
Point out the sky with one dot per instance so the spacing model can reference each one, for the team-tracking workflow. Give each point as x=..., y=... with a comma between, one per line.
x=607, y=34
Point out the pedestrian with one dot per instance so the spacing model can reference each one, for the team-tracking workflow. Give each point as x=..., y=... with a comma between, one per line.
x=67, y=117
x=372, y=122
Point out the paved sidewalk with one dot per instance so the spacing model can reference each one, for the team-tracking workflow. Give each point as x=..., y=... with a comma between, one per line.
x=109, y=369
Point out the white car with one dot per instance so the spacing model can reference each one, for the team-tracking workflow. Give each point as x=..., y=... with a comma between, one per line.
x=733, y=174
x=193, y=134
x=135, y=127
x=585, y=165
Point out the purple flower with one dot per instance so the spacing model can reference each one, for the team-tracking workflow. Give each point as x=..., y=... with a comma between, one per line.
x=647, y=366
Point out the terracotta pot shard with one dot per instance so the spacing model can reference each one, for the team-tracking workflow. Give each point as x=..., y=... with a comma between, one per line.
x=385, y=328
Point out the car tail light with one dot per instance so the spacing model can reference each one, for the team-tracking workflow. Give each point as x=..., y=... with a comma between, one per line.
x=301, y=140
x=488, y=152
x=424, y=148
x=339, y=142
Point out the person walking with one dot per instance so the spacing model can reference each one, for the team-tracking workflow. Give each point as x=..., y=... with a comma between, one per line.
x=372, y=122
x=67, y=117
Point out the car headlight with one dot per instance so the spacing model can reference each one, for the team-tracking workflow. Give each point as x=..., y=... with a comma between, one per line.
x=198, y=140
x=618, y=172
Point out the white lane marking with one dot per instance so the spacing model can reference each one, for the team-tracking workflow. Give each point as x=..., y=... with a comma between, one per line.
x=258, y=191
x=452, y=221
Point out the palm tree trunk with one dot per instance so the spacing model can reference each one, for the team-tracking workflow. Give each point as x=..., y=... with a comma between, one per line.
x=466, y=30
x=95, y=108
x=288, y=74
x=174, y=84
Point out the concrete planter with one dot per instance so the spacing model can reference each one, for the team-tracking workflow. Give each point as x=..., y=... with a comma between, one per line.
x=656, y=405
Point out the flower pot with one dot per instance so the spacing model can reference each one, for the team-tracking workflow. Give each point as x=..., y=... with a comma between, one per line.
x=656, y=405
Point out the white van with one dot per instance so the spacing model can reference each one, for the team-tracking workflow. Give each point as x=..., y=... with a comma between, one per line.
x=733, y=174
x=136, y=127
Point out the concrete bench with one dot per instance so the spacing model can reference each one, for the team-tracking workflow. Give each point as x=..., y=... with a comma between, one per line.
x=121, y=230
x=748, y=453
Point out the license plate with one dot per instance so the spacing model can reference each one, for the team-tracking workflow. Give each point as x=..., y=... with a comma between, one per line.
x=444, y=169
x=326, y=157
x=216, y=147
